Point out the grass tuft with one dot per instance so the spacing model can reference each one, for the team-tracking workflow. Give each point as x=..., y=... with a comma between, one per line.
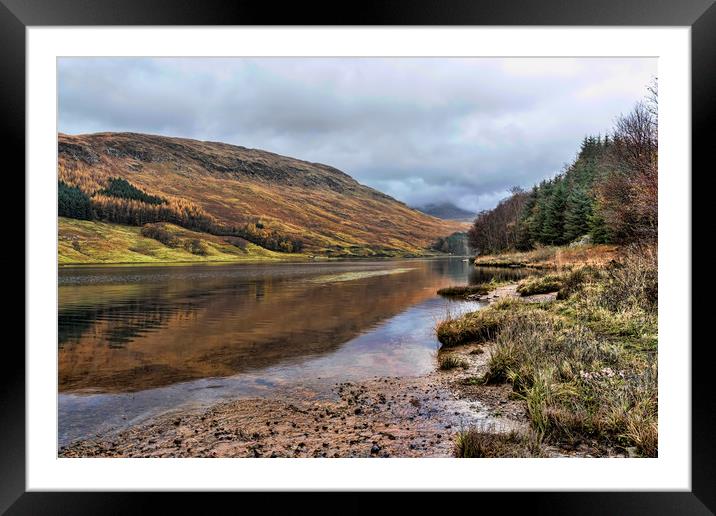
x=478, y=326
x=539, y=285
x=476, y=443
x=463, y=291
x=447, y=362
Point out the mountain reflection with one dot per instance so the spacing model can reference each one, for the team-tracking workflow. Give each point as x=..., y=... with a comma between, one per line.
x=130, y=329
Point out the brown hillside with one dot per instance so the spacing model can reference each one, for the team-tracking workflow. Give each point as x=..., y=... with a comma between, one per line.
x=325, y=208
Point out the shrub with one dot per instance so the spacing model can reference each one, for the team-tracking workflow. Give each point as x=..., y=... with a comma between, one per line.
x=160, y=234
x=447, y=362
x=573, y=281
x=633, y=281
x=196, y=246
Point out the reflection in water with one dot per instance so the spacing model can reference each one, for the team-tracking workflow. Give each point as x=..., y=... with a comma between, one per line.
x=135, y=341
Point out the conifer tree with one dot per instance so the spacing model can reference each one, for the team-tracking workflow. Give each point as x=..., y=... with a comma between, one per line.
x=553, y=226
x=576, y=216
x=598, y=227
x=72, y=202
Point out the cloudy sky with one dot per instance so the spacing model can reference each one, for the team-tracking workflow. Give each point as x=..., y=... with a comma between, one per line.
x=421, y=130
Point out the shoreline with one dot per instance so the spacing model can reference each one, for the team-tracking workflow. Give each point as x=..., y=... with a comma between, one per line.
x=555, y=365
x=380, y=417
x=259, y=261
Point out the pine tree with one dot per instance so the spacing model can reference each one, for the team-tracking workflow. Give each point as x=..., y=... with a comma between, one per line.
x=525, y=223
x=72, y=202
x=553, y=225
x=576, y=216
x=544, y=194
x=598, y=227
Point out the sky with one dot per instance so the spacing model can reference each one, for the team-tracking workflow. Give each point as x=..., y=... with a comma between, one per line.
x=424, y=130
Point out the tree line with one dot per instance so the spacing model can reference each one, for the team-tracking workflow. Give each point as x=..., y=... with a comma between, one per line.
x=609, y=193
x=121, y=202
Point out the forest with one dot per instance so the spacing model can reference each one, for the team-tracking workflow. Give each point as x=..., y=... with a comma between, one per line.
x=121, y=202
x=608, y=194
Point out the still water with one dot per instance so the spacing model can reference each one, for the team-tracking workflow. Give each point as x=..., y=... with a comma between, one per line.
x=138, y=341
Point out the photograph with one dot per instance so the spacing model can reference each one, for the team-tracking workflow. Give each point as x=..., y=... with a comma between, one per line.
x=357, y=257
x=417, y=248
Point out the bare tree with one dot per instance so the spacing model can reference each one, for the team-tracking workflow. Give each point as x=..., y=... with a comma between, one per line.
x=629, y=194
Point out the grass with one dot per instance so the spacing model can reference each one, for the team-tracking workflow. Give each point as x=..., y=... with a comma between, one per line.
x=448, y=362
x=92, y=242
x=468, y=291
x=539, y=285
x=541, y=257
x=585, y=365
x=551, y=257
x=478, y=326
x=463, y=291
x=565, y=282
x=485, y=442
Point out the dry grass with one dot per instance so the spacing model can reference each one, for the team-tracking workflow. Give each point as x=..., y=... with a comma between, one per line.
x=584, y=365
x=540, y=257
x=476, y=443
x=577, y=384
x=471, y=291
x=586, y=255
x=549, y=257
x=448, y=362
x=479, y=326
x=463, y=291
x=540, y=284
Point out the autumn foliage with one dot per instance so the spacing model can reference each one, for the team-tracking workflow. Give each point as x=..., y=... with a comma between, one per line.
x=110, y=199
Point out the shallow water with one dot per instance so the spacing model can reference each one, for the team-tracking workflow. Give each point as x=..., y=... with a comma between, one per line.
x=137, y=341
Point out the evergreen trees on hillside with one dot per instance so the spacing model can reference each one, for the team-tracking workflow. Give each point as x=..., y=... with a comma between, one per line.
x=117, y=200
x=73, y=202
x=123, y=189
x=609, y=192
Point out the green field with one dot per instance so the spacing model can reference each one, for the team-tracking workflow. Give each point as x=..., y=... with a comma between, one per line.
x=92, y=242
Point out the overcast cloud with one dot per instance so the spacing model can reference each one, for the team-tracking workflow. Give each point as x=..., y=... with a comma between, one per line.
x=421, y=130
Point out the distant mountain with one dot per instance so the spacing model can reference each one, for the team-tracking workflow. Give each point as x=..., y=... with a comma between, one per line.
x=277, y=202
x=447, y=211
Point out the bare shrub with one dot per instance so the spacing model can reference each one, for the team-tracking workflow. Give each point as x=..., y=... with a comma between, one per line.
x=633, y=281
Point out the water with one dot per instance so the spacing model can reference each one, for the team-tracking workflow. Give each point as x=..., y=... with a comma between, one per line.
x=138, y=341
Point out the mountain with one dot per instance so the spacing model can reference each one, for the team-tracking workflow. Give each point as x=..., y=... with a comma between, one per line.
x=232, y=193
x=447, y=211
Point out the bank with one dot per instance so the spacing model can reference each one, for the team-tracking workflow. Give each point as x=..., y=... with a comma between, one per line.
x=581, y=358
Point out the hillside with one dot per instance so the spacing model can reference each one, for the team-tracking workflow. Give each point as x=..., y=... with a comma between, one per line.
x=447, y=211
x=280, y=203
x=88, y=241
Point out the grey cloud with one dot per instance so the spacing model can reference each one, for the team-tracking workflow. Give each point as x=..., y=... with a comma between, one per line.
x=422, y=130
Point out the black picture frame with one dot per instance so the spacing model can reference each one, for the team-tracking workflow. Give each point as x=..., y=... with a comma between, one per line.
x=17, y=15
